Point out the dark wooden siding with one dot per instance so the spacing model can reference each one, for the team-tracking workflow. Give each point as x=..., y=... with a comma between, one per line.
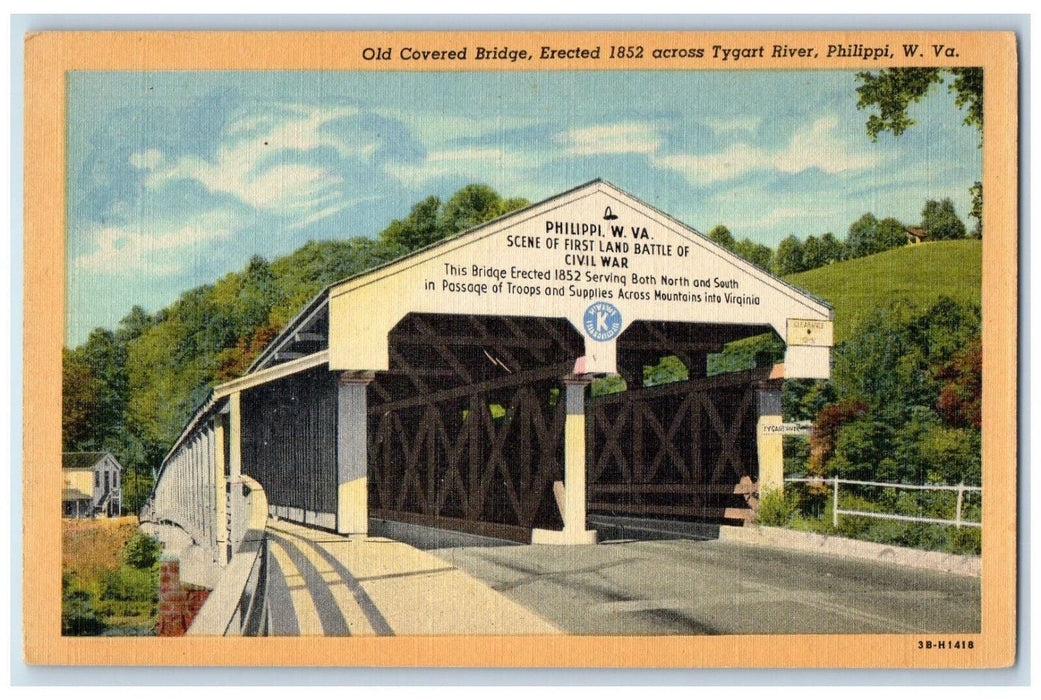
x=289, y=440
x=686, y=450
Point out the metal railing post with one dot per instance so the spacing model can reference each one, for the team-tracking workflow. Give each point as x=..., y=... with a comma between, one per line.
x=957, y=512
x=835, y=505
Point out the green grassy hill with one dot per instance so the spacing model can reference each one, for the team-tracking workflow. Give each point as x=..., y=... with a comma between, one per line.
x=918, y=273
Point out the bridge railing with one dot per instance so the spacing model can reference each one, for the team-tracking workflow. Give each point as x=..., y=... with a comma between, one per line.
x=960, y=491
x=238, y=605
x=185, y=493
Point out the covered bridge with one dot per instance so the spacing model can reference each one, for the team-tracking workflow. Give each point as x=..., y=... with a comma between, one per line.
x=450, y=388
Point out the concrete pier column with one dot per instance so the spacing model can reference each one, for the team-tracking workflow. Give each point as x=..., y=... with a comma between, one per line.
x=220, y=522
x=235, y=436
x=770, y=445
x=352, y=459
x=571, y=494
x=234, y=527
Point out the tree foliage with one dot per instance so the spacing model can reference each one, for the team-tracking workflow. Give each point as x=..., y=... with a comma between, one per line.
x=892, y=91
x=79, y=400
x=907, y=386
x=941, y=221
x=756, y=253
x=818, y=252
x=789, y=257
x=721, y=234
x=868, y=235
x=430, y=220
x=130, y=391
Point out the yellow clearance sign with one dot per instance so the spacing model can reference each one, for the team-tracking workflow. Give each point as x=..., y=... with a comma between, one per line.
x=810, y=332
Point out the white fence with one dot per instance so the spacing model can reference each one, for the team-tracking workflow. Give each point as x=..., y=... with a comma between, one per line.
x=960, y=489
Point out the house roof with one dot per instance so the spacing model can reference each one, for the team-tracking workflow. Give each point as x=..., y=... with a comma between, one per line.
x=85, y=460
x=918, y=232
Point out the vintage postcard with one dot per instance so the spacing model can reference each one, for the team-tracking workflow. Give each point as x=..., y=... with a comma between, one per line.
x=619, y=349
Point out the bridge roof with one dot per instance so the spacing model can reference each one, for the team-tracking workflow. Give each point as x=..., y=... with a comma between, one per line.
x=624, y=240
x=588, y=255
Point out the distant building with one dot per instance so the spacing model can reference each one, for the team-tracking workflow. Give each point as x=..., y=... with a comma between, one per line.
x=91, y=485
x=917, y=235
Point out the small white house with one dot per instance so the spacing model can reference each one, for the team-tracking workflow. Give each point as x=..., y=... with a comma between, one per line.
x=92, y=485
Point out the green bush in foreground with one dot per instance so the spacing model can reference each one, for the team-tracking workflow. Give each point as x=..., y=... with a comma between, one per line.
x=778, y=508
x=116, y=600
x=142, y=551
x=78, y=616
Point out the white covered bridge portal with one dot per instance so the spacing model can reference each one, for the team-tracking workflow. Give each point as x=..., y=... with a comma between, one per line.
x=450, y=388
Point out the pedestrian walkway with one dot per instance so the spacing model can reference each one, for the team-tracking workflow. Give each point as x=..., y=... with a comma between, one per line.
x=320, y=583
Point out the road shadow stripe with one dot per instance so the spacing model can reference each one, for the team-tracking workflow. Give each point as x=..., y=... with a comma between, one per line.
x=333, y=622
x=280, y=605
x=372, y=613
x=406, y=574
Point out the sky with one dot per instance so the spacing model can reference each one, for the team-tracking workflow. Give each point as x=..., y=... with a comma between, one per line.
x=177, y=178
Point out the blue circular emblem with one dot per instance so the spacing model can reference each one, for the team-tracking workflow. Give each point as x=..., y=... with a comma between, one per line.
x=602, y=321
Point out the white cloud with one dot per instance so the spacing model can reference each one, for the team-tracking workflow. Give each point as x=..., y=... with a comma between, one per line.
x=819, y=145
x=328, y=211
x=714, y=167
x=252, y=164
x=779, y=215
x=621, y=138
x=473, y=162
x=159, y=251
x=432, y=130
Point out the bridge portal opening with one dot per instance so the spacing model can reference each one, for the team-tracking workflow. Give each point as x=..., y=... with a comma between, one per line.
x=451, y=388
x=466, y=429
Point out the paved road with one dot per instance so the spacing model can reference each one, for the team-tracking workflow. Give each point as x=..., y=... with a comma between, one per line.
x=322, y=584
x=711, y=587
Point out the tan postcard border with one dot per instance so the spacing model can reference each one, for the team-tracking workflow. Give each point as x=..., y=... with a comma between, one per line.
x=49, y=55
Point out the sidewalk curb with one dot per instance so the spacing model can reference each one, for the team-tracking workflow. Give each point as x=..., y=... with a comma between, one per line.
x=764, y=536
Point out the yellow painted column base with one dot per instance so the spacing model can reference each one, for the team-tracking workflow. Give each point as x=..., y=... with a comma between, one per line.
x=352, y=515
x=771, y=456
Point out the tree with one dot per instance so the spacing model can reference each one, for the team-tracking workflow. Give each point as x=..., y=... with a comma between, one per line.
x=473, y=205
x=818, y=252
x=420, y=228
x=826, y=428
x=430, y=220
x=977, y=209
x=961, y=395
x=721, y=234
x=868, y=235
x=79, y=401
x=862, y=239
x=755, y=253
x=890, y=234
x=892, y=91
x=789, y=257
x=941, y=222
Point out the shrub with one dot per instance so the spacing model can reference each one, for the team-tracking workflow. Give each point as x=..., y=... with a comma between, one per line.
x=129, y=583
x=141, y=552
x=822, y=441
x=78, y=616
x=964, y=540
x=777, y=508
